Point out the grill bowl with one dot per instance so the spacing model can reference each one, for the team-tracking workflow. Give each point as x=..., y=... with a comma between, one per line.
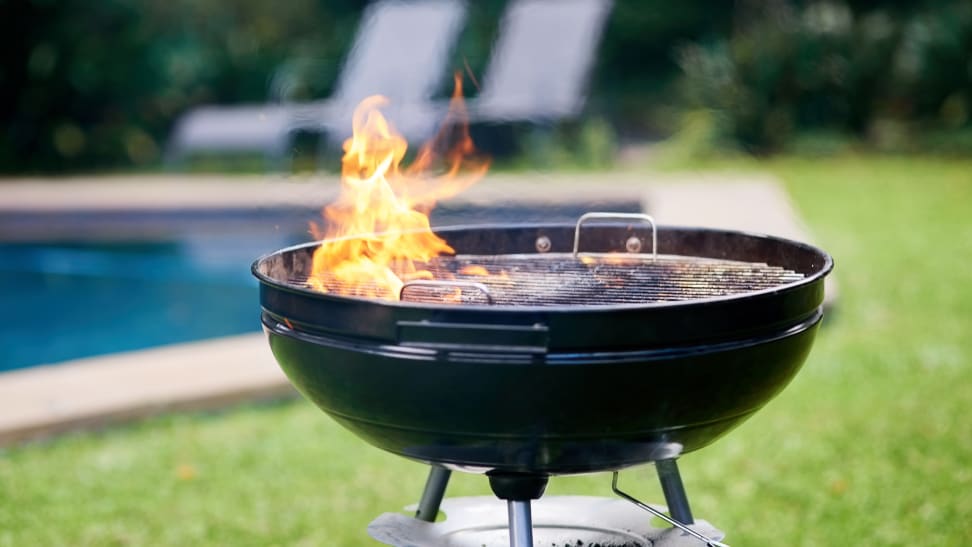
x=548, y=389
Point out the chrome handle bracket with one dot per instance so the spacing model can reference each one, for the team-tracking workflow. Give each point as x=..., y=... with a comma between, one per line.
x=617, y=216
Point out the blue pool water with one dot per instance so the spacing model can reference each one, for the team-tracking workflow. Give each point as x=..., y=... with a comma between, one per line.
x=67, y=300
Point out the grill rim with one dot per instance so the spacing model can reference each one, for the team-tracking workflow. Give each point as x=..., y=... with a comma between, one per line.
x=808, y=279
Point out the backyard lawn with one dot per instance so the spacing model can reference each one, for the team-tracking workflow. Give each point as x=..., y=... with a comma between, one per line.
x=870, y=445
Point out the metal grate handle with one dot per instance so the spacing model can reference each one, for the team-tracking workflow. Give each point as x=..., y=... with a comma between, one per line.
x=446, y=284
x=618, y=216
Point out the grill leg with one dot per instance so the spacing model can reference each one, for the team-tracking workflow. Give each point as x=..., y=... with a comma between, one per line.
x=521, y=523
x=675, y=498
x=435, y=487
x=518, y=490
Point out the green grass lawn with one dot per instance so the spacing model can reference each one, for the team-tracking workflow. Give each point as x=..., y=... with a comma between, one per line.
x=870, y=445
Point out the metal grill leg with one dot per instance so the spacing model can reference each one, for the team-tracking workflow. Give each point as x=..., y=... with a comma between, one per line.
x=518, y=489
x=435, y=487
x=675, y=498
x=521, y=523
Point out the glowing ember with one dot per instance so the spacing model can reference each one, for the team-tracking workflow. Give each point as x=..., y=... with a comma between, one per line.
x=378, y=231
x=473, y=269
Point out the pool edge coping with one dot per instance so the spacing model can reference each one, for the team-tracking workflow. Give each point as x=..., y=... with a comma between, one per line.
x=44, y=401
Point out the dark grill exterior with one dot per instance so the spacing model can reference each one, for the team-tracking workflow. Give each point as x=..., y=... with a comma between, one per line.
x=572, y=363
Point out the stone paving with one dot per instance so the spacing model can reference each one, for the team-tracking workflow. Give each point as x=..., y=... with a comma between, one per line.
x=42, y=401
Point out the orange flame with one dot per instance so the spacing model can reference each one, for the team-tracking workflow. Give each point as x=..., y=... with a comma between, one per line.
x=378, y=231
x=474, y=269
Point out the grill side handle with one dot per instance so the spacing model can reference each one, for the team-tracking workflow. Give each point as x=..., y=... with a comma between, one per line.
x=474, y=337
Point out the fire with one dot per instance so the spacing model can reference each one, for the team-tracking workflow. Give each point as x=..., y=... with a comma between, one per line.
x=474, y=269
x=378, y=234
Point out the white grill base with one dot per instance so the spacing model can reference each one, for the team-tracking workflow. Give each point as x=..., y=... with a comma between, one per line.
x=558, y=521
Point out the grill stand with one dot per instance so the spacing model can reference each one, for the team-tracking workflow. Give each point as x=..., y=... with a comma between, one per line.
x=521, y=523
x=674, y=491
x=435, y=487
x=519, y=490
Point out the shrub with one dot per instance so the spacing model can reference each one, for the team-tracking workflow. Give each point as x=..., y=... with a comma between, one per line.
x=97, y=84
x=823, y=67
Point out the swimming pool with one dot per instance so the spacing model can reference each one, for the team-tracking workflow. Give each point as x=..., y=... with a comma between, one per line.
x=65, y=300
x=69, y=300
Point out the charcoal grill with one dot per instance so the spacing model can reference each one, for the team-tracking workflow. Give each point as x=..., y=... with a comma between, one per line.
x=591, y=346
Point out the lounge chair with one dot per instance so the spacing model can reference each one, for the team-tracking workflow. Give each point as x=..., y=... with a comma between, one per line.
x=540, y=66
x=400, y=51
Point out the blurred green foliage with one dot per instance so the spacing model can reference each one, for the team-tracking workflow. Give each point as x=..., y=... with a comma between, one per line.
x=89, y=85
x=98, y=85
x=886, y=72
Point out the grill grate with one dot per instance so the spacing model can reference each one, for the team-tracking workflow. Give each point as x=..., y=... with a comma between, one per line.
x=557, y=279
